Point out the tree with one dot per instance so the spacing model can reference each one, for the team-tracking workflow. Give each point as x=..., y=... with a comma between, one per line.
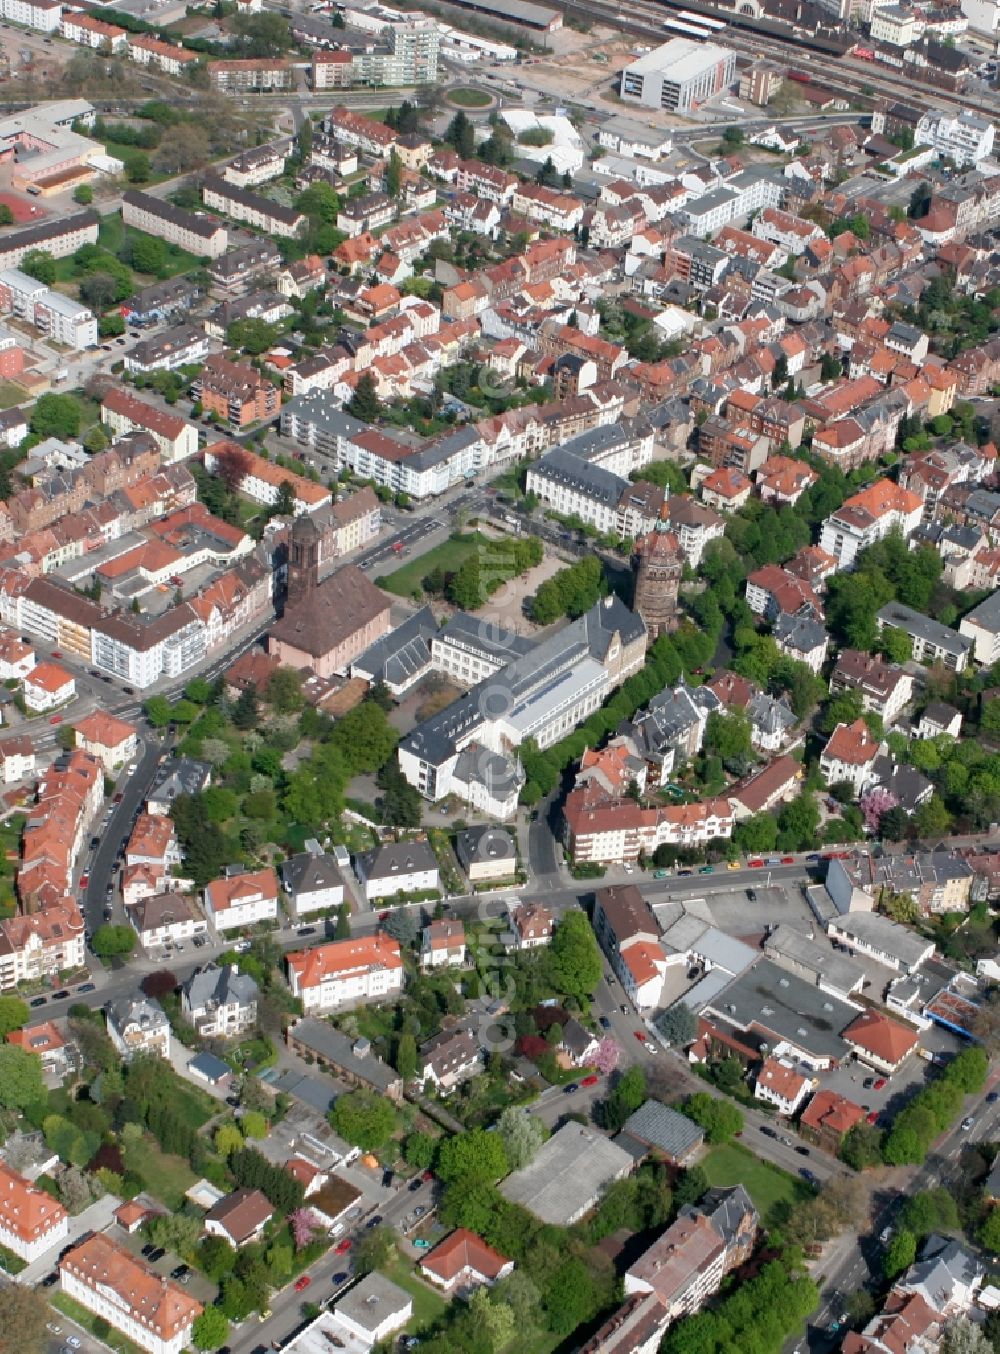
x=461, y=134
x=678, y=1025
x=522, y=1134
x=138, y=168
x=185, y=145
x=304, y=1224
x=574, y=961
x=862, y=1147
x=23, y=1316
x=216, y=1257
x=110, y=940
x=147, y=254
x=39, y=264
x=364, y=404
x=896, y=645
x=720, y=1119
x=406, y=1056
x=394, y=174
x=21, y=1081
x=175, y=1232
x=962, y=1336
x=569, y=1296
x=624, y=1099
x=254, y=1125
x=159, y=983
x=989, y=1232
x=13, y=1014
x=56, y=416
x=265, y=34
x=728, y=737
x=245, y=712
x=929, y=1210
x=364, y=1118
x=900, y=1254
x=253, y=337
x=419, y=1149
x=284, y=503
x=210, y=1329
x=493, y=1320
x=475, y=1157
x=875, y=804
x=228, y=1138
x=83, y=194
x=607, y=1057
x=374, y=1250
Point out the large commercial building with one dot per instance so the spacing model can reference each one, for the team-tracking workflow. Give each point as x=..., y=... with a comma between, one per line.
x=679, y=76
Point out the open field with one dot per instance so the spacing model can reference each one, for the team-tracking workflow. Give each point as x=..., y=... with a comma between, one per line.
x=166, y=1177
x=450, y=555
x=771, y=1189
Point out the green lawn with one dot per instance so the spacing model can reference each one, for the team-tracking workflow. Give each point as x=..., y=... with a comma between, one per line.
x=449, y=556
x=10, y=394
x=166, y=1177
x=428, y=1305
x=469, y=98
x=769, y=1187
x=110, y=1337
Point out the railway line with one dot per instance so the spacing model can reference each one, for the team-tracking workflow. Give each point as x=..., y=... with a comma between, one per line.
x=829, y=64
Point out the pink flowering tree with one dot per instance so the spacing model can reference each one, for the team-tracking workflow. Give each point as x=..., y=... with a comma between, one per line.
x=605, y=1060
x=304, y=1223
x=874, y=805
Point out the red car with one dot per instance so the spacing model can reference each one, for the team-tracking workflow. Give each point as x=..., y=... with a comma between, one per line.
x=879, y=1084
x=302, y=1282
x=756, y=864
x=56, y=719
x=872, y=1118
x=383, y=916
x=641, y=1036
x=427, y=1177
x=788, y=860
x=84, y=879
x=592, y=1080
x=56, y=653
x=342, y=1247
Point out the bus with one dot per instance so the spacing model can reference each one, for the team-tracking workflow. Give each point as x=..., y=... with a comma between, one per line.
x=687, y=30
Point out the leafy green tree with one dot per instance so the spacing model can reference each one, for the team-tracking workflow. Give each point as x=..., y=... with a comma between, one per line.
x=862, y=1147
x=569, y=1296
x=624, y=1099
x=419, y=1149
x=39, y=264
x=374, y=1250
x=284, y=503
x=83, y=194
x=474, y=1157
x=364, y=1118
x=109, y=941
x=896, y=645
x=147, y=254
x=158, y=711
x=228, y=1138
x=319, y=202
x=522, y=1134
x=574, y=958
x=21, y=1081
x=252, y=336
x=720, y=1119
x=56, y=416
x=364, y=404
x=406, y=1056
x=461, y=135
x=265, y=34
x=899, y=1254
x=929, y=1210
x=14, y=1013
x=210, y=1329
x=728, y=736
x=176, y=1232
x=678, y=1025
x=989, y=1232
x=245, y=712
x=24, y=1314
x=216, y=1257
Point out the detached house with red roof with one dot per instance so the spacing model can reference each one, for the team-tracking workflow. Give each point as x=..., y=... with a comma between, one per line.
x=47, y=686
x=112, y=740
x=31, y=1221
x=850, y=755
x=462, y=1262
x=779, y=1084
x=362, y=968
x=828, y=1118
x=443, y=945
x=241, y=900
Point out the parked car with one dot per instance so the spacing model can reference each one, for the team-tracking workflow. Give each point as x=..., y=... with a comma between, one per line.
x=880, y=1083
x=342, y=1247
x=572, y=1088
x=592, y=1080
x=604, y=1022
x=414, y=1185
x=158, y=1253
x=86, y=987
x=37, y=1001
x=302, y=1283
x=640, y=1035
x=373, y=1222
x=802, y=1151
x=967, y=1123
x=340, y=1277
x=768, y=1132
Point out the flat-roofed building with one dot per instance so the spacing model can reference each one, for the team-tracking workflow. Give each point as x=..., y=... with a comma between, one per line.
x=678, y=75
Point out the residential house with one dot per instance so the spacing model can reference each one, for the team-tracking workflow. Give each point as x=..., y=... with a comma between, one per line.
x=932, y=642
x=111, y=739
x=665, y=1131
x=532, y=925
x=31, y=1221
x=397, y=868
x=486, y=853
x=462, y=1262
x=239, y=1218
x=47, y=1043
x=47, y=686
x=629, y=935
x=849, y=755
x=778, y=1083
x=579, y=1042
x=351, y=1061
x=165, y=918
x=220, y=1001
x=313, y=883
x=242, y=899
x=885, y=688
x=828, y=1118
x=443, y=944
x=138, y=1025
x=448, y=1059
x=362, y=968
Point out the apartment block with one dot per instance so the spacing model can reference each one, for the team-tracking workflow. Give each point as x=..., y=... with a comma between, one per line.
x=363, y=968
x=236, y=392
x=251, y=208
x=199, y=235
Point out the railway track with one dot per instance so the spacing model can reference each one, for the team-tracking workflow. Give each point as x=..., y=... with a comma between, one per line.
x=842, y=75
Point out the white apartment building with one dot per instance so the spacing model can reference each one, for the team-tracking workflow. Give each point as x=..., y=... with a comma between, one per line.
x=150, y=1310
x=894, y=25
x=123, y=413
x=559, y=211
x=850, y=755
x=867, y=517
x=165, y=918
x=966, y=138
x=779, y=1084
x=58, y=316
x=360, y=969
x=169, y=57
x=397, y=867
x=40, y=945
x=932, y=642
x=17, y=758
x=31, y=1221
x=45, y=15
x=181, y=346
x=242, y=900
x=252, y=209
x=139, y=654
x=90, y=32
x=793, y=233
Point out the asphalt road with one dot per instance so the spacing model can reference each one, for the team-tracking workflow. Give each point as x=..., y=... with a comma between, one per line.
x=114, y=831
